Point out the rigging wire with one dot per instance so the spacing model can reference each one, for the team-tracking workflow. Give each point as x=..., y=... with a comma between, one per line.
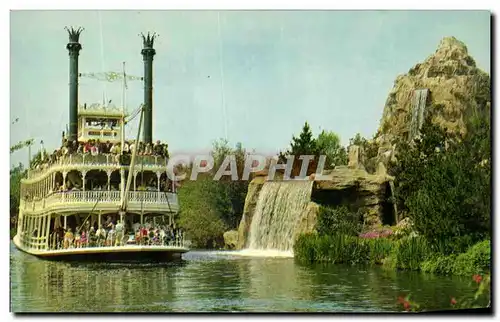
x=221, y=69
x=103, y=65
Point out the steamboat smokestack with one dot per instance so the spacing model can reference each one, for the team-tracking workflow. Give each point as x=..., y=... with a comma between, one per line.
x=147, y=54
x=73, y=48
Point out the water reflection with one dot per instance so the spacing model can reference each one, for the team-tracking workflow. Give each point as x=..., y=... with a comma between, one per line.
x=210, y=281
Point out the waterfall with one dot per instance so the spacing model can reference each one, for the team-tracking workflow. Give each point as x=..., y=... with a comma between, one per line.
x=278, y=212
x=417, y=112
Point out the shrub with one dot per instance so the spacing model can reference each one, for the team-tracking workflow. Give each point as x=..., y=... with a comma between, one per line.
x=439, y=264
x=304, y=248
x=409, y=252
x=338, y=220
x=379, y=249
x=341, y=249
x=476, y=260
x=444, y=182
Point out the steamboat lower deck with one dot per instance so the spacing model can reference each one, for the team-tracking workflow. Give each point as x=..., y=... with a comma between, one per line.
x=128, y=253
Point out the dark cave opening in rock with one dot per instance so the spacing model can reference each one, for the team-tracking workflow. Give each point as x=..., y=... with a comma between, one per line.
x=388, y=213
x=339, y=197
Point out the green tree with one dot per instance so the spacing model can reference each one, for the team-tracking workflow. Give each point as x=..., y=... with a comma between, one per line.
x=16, y=174
x=370, y=151
x=328, y=143
x=236, y=190
x=220, y=149
x=370, y=148
x=443, y=182
x=204, y=206
x=305, y=144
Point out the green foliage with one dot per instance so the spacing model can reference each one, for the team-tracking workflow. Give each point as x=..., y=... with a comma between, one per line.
x=328, y=143
x=204, y=206
x=235, y=190
x=370, y=151
x=304, y=248
x=208, y=207
x=476, y=260
x=338, y=220
x=16, y=174
x=305, y=144
x=220, y=149
x=408, y=253
x=20, y=145
x=339, y=248
x=370, y=148
x=379, y=249
x=439, y=264
x=443, y=182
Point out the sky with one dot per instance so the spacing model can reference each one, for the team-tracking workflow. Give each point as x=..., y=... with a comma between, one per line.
x=252, y=77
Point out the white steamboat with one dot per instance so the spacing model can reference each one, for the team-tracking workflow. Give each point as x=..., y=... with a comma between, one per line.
x=81, y=192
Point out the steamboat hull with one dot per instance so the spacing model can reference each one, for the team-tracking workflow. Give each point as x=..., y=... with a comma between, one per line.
x=128, y=253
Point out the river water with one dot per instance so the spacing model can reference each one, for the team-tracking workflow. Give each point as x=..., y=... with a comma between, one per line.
x=209, y=281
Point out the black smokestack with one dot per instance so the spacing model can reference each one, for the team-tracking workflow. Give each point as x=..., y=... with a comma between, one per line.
x=73, y=48
x=147, y=54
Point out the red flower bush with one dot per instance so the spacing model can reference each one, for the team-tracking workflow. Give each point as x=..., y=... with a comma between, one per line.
x=483, y=287
x=376, y=234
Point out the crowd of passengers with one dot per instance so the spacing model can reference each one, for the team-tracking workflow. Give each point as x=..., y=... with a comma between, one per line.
x=165, y=186
x=119, y=234
x=96, y=147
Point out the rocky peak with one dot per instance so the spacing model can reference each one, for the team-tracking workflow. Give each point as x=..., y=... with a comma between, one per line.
x=455, y=85
x=450, y=45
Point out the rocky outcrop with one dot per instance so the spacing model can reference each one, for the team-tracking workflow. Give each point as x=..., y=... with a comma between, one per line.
x=231, y=239
x=361, y=191
x=250, y=203
x=456, y=87
x=308, y=220
x=356, y=157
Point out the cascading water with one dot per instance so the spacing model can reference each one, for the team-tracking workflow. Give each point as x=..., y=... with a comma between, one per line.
x=417, y=113
x=277, y=215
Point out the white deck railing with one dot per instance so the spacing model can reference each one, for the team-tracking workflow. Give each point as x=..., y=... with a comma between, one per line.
x=145, y=197
x=146, y=161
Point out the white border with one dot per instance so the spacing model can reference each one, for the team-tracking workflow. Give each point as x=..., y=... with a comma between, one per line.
x=189, y=4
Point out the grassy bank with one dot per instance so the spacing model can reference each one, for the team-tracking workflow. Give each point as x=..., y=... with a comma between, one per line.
x=411, y=253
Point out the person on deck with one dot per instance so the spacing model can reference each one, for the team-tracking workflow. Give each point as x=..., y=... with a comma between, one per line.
x=119, y=233
x=83, y=239
x=138, y=236
x=126, y=149
x=77, y=237
x=111, y=236
x=144, y=235
x=101, y=236
x=132, y=147
x=163, y=236
x=92, y=237
x=68, y=239
x=151, y=236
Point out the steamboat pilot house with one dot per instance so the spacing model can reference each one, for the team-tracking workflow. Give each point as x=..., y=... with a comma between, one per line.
x=97, y=181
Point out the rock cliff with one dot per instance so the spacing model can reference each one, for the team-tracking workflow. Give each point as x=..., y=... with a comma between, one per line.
x=456, y=87
x=361, y=191
x=250, y=203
